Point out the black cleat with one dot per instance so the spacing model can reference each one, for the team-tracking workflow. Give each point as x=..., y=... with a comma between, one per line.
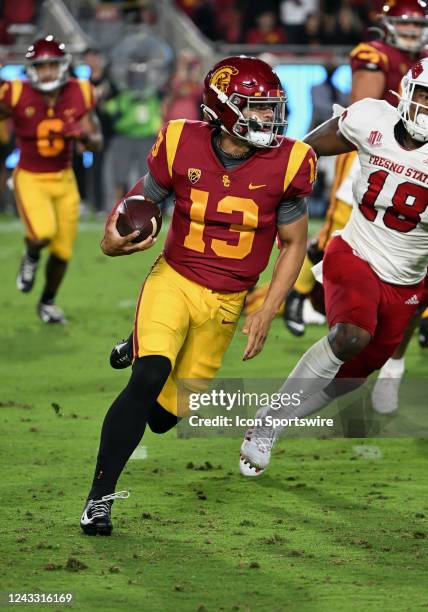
x=27, y=274
x=95, y=518
x=293, y=313
x=423, y=333
x=122, y=353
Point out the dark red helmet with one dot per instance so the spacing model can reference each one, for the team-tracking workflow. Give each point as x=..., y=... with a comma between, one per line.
x=46, y=50
x=238, y=86
x=412, y=14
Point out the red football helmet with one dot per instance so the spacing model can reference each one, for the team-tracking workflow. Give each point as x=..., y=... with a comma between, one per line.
x=406, y=24
x=45, y=50
x=235, y=89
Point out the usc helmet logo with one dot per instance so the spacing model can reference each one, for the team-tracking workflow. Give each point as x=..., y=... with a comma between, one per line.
x=221, y=77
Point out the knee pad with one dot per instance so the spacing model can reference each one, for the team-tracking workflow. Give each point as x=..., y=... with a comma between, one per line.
x=149, y=374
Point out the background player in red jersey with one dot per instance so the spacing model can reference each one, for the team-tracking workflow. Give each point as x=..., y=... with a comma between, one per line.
x=377, y=69
x=237, y=183
x=50, y=111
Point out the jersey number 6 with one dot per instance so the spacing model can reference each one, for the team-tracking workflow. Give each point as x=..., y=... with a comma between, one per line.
x=48, y=143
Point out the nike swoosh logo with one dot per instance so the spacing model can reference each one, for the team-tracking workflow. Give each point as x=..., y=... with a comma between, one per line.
x=251, y=186
x=226, y=322
x=85, y=520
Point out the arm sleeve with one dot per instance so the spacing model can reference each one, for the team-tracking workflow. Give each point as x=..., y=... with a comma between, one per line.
x=291, y=210
x=152, y=190
x=146, y=186
x=149, y=188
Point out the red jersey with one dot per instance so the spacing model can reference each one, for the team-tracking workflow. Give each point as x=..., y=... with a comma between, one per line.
x=275, y=36
x=224, y=221
x=35, y=123
x=393, y=62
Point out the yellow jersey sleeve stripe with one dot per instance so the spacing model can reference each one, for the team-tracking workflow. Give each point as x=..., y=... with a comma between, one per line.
x=297, y=155
x=85, y=88
x=369, y=53
x=173, y=133
x=16, y=92
x=313, y=170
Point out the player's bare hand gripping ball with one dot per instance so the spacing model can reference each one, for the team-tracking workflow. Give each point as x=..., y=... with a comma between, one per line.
x=114, y=245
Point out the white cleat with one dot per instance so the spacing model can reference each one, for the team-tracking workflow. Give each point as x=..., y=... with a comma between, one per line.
x=256, y=450
x=385, y=391
x=27, y=274
x=51, y=313
x=246, y=469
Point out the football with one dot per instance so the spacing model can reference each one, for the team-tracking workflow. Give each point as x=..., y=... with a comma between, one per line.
x=137, y=213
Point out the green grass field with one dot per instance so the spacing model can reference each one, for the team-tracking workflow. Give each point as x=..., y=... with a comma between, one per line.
x=325, y=529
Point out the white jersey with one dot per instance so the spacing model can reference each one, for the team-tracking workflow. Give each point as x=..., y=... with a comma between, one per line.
x=389, y=221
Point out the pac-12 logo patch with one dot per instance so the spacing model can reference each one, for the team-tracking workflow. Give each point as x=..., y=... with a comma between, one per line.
x=375, y=138
x=221, y=77
x=194, y=175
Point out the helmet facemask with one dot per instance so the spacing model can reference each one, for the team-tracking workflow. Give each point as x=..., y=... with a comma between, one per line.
x=249, y=126
x=413, y=114
x=410, y=38
x=49, y=86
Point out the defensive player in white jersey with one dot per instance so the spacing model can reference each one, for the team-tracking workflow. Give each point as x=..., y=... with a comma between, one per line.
x=373, y=273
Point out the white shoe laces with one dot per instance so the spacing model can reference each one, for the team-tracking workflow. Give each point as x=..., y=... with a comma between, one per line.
x=53, y=309
x=264, y=438
x=101, y=507
x=28, y=268
x=117, y=495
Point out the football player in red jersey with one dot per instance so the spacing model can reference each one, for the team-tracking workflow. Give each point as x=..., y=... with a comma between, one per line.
x=237, y=184
x=379, y=65
x=377, y=69
x=50, y=112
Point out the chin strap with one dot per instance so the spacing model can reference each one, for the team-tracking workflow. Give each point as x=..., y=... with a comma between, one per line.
x=220, y=94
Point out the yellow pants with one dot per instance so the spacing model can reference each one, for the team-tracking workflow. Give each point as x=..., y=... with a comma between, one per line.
x=189, y=324
x=48, y=204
